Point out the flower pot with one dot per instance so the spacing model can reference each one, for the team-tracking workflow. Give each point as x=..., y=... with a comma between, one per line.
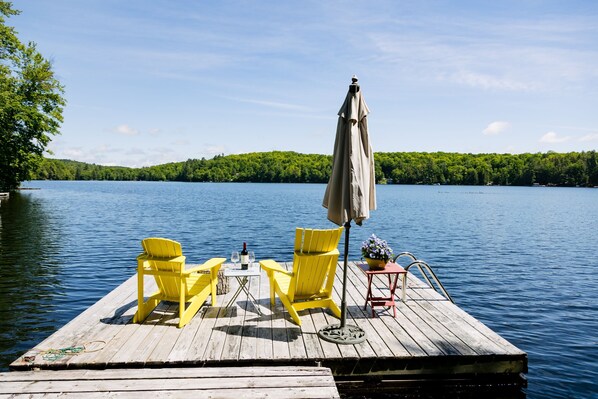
x=376, y=264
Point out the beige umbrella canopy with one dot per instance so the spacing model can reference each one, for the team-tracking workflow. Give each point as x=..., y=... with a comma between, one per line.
x=351, y=192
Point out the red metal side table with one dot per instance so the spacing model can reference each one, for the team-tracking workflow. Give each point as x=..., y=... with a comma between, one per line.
x=391, y=269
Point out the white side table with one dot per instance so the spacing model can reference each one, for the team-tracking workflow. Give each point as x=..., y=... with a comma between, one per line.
x=243, y=277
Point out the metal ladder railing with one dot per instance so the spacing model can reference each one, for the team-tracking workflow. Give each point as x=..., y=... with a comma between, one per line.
x=426, y=272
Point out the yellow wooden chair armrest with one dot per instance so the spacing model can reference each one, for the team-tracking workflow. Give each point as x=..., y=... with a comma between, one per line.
x=209, y=265
x=270, y=265
x=143, y=263
x=178, y=259
x=315, y=254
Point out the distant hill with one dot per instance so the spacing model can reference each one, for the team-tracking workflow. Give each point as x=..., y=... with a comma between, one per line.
x=558, y=169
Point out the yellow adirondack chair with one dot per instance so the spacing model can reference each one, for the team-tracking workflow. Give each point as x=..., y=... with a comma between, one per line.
x=309, y=285
x=163, y=259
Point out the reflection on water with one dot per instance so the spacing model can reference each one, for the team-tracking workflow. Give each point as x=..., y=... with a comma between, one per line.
x=520, y=259
x=30, y=271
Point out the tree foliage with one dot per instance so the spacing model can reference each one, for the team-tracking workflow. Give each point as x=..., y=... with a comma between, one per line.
x=31, y=105
x=269, y=167
x=558, y=169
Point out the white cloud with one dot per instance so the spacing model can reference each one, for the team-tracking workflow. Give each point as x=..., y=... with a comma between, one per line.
x=133, y=156
x=487, y=81
x=589, y=137
x=496, y=54
x=135, y=152
x=215, y=149
x=70, y=153
x=101, y=154
x=576, y=128
x=552, y=138
x=496, y=127
x=126, y=130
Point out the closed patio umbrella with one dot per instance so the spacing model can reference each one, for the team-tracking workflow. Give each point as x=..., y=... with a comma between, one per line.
x=350, y=193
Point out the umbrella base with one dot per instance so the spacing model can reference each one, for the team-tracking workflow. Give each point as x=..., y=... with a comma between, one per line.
x=346, y=335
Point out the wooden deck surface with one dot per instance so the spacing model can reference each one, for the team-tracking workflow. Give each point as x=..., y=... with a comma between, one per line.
x=207, y=382
x=429, y=338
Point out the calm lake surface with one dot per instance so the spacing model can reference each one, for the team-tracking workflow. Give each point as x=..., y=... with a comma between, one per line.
x=522, y=260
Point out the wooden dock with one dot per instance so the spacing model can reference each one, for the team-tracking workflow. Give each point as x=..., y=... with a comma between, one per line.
x=431, y=340
x=205, y=382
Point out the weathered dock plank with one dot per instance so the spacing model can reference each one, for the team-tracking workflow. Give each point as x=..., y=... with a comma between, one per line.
x=249, y=339
x=418, y=342
x=225, y=382
x=264, y=341
x=430, y=336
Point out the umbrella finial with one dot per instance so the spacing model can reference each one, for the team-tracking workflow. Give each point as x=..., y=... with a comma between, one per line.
x=354, y=87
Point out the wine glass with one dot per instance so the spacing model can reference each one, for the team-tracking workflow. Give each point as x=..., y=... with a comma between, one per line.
x=234, y=257
x=251, y=258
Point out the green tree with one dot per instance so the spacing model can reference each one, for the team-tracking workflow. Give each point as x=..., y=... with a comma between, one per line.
x=31, y=105
x=568, y=169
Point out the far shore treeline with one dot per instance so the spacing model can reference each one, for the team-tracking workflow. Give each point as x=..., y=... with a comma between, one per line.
x=551, y=169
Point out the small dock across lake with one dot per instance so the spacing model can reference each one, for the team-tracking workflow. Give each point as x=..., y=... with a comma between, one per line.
x=430, y=341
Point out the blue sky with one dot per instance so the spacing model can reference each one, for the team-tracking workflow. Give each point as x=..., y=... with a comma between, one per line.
x=150, y=82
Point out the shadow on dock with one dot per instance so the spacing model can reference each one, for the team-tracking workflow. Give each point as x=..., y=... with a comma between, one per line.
x=432, y=346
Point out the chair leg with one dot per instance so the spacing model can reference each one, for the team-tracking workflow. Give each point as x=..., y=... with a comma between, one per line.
x=213, y=288
x=289, y=307
x=145, y=308
x=193, y=307
x=294, y=315
x=334, y=309
x=272, y=298
x=140, y=314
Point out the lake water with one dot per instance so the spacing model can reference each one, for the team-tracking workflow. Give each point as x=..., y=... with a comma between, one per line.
x=522, y=260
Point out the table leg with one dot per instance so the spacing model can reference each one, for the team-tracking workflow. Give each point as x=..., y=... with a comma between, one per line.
x=368, y=296
x=385, y=301
x=242, y=281
x=393, y=286
x=252, y=299
x=404, y=286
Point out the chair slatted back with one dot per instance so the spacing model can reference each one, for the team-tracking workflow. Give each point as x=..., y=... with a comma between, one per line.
x=314, y=262
x=161, y=253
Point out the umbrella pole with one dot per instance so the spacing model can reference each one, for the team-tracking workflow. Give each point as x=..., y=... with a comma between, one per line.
x=345, y=261
x=342, y=333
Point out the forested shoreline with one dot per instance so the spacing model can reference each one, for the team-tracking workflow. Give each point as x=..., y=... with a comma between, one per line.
x=551, y=169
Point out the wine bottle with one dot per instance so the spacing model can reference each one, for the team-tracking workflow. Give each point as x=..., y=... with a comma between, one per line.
x=244, y=257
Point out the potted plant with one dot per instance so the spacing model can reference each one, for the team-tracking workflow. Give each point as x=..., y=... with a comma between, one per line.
x=376, y=252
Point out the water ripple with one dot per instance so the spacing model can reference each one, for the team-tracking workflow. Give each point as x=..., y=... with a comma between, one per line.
x=522, y=260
